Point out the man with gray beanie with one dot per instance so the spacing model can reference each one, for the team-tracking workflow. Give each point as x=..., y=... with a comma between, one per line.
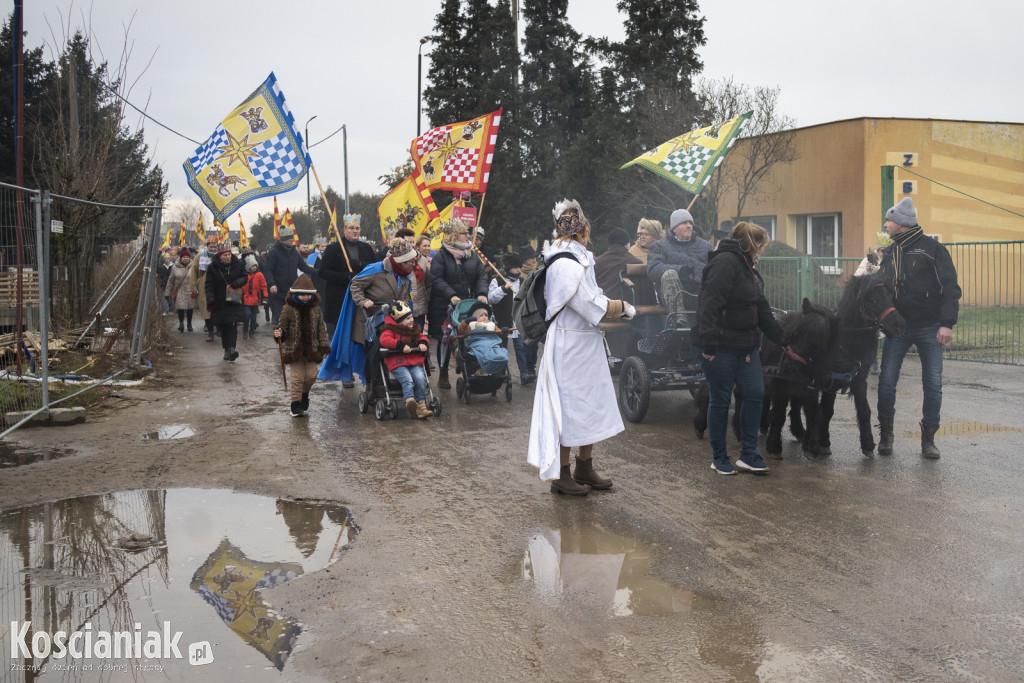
x=676, y=263
x=927, y=295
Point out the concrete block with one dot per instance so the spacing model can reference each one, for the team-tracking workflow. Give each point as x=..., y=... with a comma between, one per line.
x=15, y=417
x=67, y=416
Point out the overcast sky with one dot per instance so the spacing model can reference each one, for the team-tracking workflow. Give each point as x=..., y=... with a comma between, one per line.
x=353, y=62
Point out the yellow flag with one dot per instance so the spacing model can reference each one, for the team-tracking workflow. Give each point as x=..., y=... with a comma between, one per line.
x=181, y=235
x=277, y=221
x=409, y=205
x=457, y=156
x=243, y=239
x=225, y=233
x=434, y=227
x=201, y=230
x=167, y=238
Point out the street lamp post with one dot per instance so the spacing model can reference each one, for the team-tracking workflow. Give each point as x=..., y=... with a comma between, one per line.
x=419, y=80
x=309, y=209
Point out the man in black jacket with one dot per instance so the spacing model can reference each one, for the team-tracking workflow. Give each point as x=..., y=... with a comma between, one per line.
x=283, y=265
x=337, y=271
x=927, y=295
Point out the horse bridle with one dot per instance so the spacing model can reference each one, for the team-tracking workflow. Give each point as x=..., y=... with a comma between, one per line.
x=876, y=322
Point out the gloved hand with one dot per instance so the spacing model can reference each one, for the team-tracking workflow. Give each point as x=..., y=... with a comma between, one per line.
x=194, y=295
x=628, y=310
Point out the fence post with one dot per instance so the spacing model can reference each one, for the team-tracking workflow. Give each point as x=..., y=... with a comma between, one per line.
x=44, y=317
x=148, y=278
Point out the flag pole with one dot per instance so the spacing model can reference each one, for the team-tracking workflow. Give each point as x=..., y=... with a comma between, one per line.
x=694, y=200
x=344, y=252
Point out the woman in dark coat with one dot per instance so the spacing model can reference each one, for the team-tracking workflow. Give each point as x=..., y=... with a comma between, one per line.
x=335, y=271
x=731, y=314
x=456, y=273
x=226, y=275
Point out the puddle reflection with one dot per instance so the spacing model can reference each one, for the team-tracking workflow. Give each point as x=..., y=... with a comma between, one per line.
x=189, y=560
x=16, y=456
x=169, y=432
x=601, y=568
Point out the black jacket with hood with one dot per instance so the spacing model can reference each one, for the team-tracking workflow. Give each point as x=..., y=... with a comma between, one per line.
x=926, y=288
x=732, y=310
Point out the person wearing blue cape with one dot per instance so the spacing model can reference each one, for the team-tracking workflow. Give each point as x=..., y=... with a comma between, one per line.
x=382, y=282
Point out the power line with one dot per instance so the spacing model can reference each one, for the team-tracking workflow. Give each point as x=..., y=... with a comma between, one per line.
x=1001, y=208
x=120, y=97
x=328, y=137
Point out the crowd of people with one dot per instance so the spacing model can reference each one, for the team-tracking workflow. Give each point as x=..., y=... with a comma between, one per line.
x=319, y=304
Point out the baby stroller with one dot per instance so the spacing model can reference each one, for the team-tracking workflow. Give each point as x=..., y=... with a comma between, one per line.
x=381, y=389
x=472, y=379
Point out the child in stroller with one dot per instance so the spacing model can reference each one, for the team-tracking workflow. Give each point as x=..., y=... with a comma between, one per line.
x=482, y=352
x=397, y=361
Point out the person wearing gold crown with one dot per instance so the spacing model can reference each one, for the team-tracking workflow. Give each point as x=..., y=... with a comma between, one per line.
x=574, y=405
x=337, y=272
x=456, y=273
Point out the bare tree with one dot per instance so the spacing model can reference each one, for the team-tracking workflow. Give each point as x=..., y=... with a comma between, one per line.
x=768, y=141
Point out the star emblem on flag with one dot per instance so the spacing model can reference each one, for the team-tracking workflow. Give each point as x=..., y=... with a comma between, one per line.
x=237, y=151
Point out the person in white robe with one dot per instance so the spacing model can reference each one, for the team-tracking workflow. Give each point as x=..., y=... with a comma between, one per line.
x=574, y=405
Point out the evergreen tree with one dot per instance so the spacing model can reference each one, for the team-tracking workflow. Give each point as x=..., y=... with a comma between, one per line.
x=448, y=74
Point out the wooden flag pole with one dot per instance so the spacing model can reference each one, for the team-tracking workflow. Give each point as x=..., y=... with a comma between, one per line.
x=327, y=207
x=693, y=201
x=488, y=264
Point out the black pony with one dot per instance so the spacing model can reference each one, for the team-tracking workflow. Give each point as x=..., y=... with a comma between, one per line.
x=795, y=376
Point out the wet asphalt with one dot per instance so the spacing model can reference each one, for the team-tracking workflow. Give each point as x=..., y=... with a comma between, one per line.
x=468, y=568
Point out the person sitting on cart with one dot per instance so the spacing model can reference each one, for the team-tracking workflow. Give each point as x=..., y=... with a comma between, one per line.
x=675, y=265
x=610, y=267
x=490, y=350
x=402, y=335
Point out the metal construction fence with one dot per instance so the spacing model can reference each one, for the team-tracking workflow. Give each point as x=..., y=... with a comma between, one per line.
x=991, y=319
x=72, y=314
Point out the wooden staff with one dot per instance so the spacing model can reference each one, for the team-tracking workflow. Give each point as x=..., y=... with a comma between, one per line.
x=693, y=201
x=488, y=264
x=344, y=252
x=280, y=352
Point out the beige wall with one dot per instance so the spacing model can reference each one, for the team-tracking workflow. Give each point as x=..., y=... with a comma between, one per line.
x=839, y=170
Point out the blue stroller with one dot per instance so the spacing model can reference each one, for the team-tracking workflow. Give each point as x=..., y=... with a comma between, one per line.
x=381, y=389
x=473, y=378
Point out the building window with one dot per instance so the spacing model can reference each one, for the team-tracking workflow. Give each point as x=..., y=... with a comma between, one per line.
x=766, y=222
x=822, y=238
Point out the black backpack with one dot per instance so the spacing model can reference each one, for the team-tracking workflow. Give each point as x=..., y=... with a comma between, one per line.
x=529, y=306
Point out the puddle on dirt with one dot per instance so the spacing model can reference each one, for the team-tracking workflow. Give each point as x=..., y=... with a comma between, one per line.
x=966, y=428
x=169, y=432
x=15, y=456
x=192, y=561
x=600, y=569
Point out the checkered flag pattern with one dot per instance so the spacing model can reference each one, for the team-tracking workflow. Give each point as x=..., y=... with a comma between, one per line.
x=276, y=577
x=223, y=609
x=278, y=162
x=206, y=154
x=461, y=166
x=430, y=140
x=688, y=166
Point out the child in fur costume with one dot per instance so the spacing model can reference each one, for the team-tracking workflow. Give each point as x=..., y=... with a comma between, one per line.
x=303, y=336
x=402, y=334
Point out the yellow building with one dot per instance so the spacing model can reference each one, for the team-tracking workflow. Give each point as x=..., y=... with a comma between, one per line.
x=831, y=201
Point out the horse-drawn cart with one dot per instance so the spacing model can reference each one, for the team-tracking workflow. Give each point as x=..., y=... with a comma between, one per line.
x=653, y=357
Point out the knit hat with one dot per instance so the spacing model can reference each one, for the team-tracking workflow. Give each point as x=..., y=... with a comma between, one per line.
x=303, y=285
x=400, y=250
x=285, y=233
x=653, y=228
x=618, y=236
x=903, y=213
x=479, y=232
x=569, y=218
x=184, y=252
x=250, y=262
x=399, y=311
x=527, y=252
x=679, y=216
x=476, y=307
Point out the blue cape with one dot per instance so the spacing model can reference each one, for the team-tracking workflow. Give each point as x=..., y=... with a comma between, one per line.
x=347, y=356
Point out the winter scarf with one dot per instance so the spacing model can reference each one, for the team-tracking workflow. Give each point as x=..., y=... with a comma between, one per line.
x=204, y=260
x=410, y=336
x=460, y=254
x=900, y=241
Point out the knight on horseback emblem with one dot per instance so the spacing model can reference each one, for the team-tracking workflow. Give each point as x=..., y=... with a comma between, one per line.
x=217, y=178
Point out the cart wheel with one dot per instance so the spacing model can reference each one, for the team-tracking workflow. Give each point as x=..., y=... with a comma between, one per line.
x=465, y=394
x=508, y=392
x=378, y=410
x=393, y=409
x=364, y=405
x=634, y=393
x=460, y=386
x=435, y=406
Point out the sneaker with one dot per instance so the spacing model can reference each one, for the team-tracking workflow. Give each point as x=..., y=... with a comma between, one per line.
x=527, y=379
x=724, y=468
x=296, y=409
x=752, y=463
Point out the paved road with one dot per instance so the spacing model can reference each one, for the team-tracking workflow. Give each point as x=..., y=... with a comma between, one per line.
x=467, y=568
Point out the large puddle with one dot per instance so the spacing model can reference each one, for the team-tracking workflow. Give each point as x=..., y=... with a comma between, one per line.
x=16, y=455
x=152, y=564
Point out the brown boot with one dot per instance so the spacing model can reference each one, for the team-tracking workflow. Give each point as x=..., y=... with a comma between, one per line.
x=585, y=474
x=442, y=379
x=422, y=411
x=410, y=405
x=567, y=485
x=928, y=448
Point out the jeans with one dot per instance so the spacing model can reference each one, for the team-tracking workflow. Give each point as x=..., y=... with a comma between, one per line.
x=744, y=371
x=520, y=349
x=893, y=352
x=228, y=335
x=252, y=314
x=413, y=380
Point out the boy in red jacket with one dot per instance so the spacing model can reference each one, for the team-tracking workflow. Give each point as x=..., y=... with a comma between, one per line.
x=255, y=291
x=401, y=334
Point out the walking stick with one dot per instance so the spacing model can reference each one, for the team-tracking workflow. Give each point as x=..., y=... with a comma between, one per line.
x=280, y=351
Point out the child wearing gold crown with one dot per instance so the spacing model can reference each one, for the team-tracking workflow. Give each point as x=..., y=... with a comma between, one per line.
x=402, y=335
